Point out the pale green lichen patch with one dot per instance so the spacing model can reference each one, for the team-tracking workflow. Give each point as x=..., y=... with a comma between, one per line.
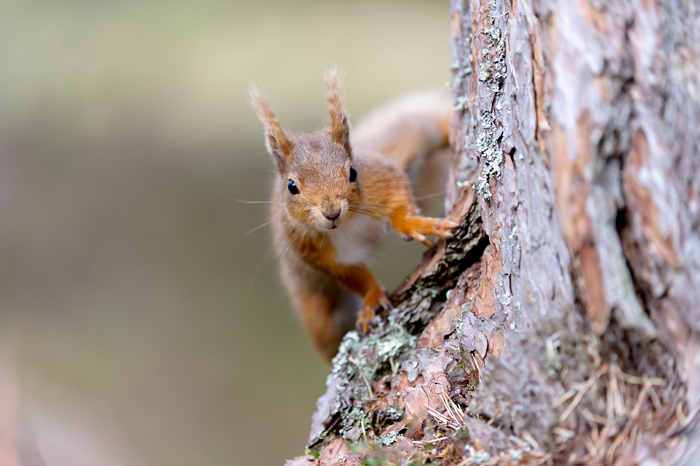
x=484, y=72
x=480, y=457
x=492, y=72
x=460, y=103
x=483, y=142
x=461, y=71
x=359, y=363
x=388, y=439
x=487, y=120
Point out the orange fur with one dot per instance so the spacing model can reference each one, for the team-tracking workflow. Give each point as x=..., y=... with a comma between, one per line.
x=328, y=227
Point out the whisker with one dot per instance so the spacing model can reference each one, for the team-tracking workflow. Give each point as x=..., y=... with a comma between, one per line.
x=253, y=202
x=286, y=251
x=384, y=210
x=382, y=215
x=258, y=227
x=428, y=196
x=370, y=188
x=272, y=248
x=379, y=178
x=393, y=171
x=383, y=206
x=371, y=225
x=259, y=267
x=378, y=217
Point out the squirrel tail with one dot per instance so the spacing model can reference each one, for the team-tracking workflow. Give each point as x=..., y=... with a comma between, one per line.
x=412, y=132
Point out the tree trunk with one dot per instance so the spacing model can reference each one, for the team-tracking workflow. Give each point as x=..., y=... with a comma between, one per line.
x=561, y=325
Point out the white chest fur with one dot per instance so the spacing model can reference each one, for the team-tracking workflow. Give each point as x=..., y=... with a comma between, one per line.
x=356, y=239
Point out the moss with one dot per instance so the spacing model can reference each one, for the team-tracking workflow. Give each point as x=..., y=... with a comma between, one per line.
x=375, y=461
x=318, y=447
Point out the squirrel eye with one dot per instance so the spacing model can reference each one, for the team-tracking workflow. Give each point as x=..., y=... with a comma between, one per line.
x=353, y=175
x=292, y=187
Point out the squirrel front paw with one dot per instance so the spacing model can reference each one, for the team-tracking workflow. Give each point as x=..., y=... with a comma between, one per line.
x=366, y=316
x=417, y=227
x=443, y=226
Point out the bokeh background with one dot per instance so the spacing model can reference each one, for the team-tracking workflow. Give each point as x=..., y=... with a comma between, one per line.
x=131, y=329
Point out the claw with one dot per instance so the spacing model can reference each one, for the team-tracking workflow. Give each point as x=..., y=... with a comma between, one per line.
x=445, y=224
x=422, y=239
x=442, y=226
x=365, y=316
x=362, y=327
x=385, y=303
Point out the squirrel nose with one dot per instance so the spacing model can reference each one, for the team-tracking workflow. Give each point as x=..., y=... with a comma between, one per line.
x=332, y=214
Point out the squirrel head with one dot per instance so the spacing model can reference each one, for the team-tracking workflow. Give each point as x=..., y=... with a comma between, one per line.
x=317, y=180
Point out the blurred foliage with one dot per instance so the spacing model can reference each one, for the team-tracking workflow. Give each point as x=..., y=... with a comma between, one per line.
x=125, y=268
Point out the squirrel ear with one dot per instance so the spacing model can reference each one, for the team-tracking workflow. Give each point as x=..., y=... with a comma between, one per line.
x=279, y=145
x=340, y=128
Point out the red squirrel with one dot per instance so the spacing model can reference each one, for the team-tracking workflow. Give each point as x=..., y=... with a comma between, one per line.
x=335, y=199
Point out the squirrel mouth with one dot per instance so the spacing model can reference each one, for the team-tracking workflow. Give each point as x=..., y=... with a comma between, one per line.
x=332, y=224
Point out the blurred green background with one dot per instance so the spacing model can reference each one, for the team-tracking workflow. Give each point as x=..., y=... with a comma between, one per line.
x=127, y=311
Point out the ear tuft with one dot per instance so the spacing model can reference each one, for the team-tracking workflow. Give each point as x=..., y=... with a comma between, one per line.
x=279, y=145
x=340, y=128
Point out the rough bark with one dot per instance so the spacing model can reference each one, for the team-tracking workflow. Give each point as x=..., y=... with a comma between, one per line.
x=561, y=325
